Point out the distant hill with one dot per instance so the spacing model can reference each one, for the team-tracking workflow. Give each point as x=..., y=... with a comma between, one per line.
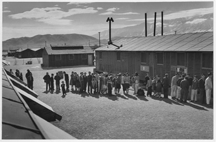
x=38, y=41
x=180, y=25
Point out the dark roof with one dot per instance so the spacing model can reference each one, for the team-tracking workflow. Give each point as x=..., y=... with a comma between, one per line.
x=58, y=50
x=19, y=120
x=180, y=42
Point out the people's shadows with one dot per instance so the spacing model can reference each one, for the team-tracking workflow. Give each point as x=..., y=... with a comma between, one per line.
x=142, y=98
x=131, y=97
x=170, y=101
x=121, y=96
x=51, y=91
x=109, y=96
x=195, y=106
x=46, y=92
x=95, y=95
x=84, y=94
x=57, y=91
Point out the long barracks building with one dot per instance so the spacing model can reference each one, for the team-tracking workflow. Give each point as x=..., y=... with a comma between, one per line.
x=189, y=53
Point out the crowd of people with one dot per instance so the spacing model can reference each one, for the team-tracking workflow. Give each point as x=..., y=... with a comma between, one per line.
x=182, y=86
x=29, y=77
x=92, y=83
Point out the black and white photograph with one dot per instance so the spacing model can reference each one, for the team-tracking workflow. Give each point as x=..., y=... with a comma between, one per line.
x=112, y=70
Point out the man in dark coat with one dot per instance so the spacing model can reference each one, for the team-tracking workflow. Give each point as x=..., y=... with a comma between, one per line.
x=89, y=80
x=52, y=82
x=166, y=85
x=184, y=89
x=146, y=78
x=66, y=81
x=201, y=88
x=85, y=79
x=29, y=79
x=81, y=80
x=57, y=80
x=47, y=81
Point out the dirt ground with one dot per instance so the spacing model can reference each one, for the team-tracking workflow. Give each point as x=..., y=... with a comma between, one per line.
x=87, y=116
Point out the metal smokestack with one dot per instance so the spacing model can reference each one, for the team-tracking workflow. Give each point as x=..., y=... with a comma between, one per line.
x=146, y=24
x=161, y=23
x=155, y=15
x=99, y=38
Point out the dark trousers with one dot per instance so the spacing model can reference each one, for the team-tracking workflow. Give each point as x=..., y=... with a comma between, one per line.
x=67, y=84
x=52, y=85
x=184, y=95
x=89, y=87
x=47, y=86
x=202, y=96
x=109, y=89
x=81, y=86
x=166, y=90
x=149, y=92
x=84, y=86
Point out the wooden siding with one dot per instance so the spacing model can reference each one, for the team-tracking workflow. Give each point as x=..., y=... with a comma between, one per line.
x=130, y=62
x=45, y=59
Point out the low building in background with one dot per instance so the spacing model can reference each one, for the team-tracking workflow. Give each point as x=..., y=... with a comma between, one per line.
x=29, y=53
x=189, y=53
x=61, y=56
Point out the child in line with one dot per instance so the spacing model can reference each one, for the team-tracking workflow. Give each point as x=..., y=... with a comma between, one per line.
x=63, y=89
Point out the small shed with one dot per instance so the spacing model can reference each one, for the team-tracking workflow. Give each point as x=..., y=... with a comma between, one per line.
x=59, y=56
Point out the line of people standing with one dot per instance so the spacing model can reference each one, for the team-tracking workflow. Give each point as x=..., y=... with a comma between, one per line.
x=184, y=87
x=102, y=83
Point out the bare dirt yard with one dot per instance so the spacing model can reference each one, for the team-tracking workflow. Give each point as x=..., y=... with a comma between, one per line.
x=87, y=116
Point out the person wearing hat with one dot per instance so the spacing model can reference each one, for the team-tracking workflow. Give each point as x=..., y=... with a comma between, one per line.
x=174, y=86
x=66, y=80
x=208, y=88
x=118, y=83
x=181, y=77
x=136, y=86
x=166, y=85
x=63, y=89
x=89, y=80
x=184, y=89
x=85, y=80
x=194, y=89
x=81, y=80
x=29, y=79
x=127, y=83
x=201, y=88
x=123, y=83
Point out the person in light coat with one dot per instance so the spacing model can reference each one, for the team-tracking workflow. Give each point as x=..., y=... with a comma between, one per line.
x=208, y=88
x=174, y=86
x=194, y=89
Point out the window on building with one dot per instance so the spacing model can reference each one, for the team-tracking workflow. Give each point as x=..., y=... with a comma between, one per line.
x=207, y=60
x=57, y=57
x=100, y=55
x=143, y=57
x=180, y=59
x=160, y=58
x=118, y=56
x=71, y=57
x=84, y=56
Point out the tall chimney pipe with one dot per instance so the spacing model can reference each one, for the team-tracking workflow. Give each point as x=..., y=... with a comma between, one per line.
x=99, y=38
x=155, y=15
x=146, y=24
x=161, y=23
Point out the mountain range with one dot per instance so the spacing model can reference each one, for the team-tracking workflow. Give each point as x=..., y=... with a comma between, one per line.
x=199, y=23
x=38, y=41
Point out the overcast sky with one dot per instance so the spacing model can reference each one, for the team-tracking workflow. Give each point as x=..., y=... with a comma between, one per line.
x=31, y=18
